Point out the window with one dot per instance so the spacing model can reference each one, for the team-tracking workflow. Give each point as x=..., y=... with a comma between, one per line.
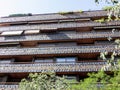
x=71, y=79
x=6, y=61
x=106, y=27
x=11, y=33
x=60, y=60
x=9, y=44
x=67, y=20
x=49, y=30
x=70, y=59
x=105, y=42
x=3, y=78
x=43, y=60
x=57, y=44
x=46, y=45
x=66, y=60
x=31, y=31
x=68, y=32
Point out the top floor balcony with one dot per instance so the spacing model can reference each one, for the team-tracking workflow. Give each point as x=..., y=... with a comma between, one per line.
x=54, y=16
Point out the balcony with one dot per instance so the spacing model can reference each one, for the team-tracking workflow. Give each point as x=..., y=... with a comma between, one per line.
x=58, y=25
x=62, y=36
x=57, y=50
x=56, y=67
x=53, y=16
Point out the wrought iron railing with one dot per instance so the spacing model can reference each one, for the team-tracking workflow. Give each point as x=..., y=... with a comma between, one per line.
x=53, y=16
x=56, y=67
x=58, y=25
x=14, y=86
x=62, y=36
x=57, y=50
x=9, y=85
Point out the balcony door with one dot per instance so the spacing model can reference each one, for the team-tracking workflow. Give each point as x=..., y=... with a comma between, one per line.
x=66, y=60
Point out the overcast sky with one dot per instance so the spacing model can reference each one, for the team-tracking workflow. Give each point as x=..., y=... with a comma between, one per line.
x=45, y=6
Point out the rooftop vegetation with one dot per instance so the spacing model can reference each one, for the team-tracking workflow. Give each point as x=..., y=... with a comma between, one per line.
x=20, y=15
x=106, y=8
x=70, y=12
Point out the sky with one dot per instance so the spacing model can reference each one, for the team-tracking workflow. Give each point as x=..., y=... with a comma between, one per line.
x=46, y=6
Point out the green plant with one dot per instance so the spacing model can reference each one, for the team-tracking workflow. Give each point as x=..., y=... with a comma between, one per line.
x=108, y=1
x=64, y=13
x=106, y=8
x=80, y=11
x=102, y=20
x=43, y=81
x=20, y=15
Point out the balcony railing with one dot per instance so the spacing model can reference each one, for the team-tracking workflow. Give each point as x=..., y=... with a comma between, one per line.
x=58, y=25
x=9, y=85
x=53, y=16
x=57, y=50
x=62, y=36
x=12, y=86
x=56, y=67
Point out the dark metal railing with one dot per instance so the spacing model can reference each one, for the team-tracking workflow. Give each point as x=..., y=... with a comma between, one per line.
x=62, y=36
x=57, y=50
x=58, y=25
x=53, y=16
x=14, y=86
x=9, y=85
x=56, y=67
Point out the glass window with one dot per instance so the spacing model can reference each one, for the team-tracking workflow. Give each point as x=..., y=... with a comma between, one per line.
x=66, y=59
x=10, y=33
x=10, y=45
x=46, y=45
x=39, y=61
x=31, y=31
x=70, y=59
x=44, y=60
x=48, y=60
x=59, y=60
x=5, y=61
x=71, y=79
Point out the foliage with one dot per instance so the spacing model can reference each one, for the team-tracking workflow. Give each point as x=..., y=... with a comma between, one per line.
x=43, y=81
x=106, y=8
x=112, y=62
x=70, y=12
x=99, y=81
x=107, y=1
x=102, y=20
x=95, y=81
x=115, y=11
x=19, y=15
x=64, y=13
x=80, y=11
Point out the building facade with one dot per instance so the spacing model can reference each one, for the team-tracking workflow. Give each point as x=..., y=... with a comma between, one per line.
x=68, y=44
